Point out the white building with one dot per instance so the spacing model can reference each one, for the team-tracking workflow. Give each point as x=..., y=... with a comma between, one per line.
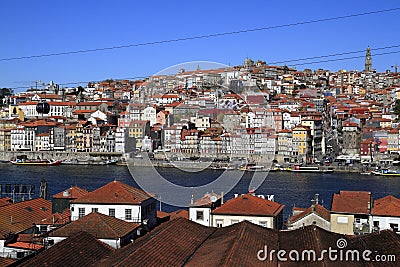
x=118, y=200
x=255, y=209
x=386, y=214
x=211, y=211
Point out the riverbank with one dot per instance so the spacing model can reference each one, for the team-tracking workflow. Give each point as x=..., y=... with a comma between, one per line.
x=160, y=160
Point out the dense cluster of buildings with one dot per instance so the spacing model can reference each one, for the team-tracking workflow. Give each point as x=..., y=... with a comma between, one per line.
x=256, y=109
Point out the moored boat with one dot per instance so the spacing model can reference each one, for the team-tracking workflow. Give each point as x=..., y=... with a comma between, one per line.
x=36, y=162
x=386, y=172
x=297, y=168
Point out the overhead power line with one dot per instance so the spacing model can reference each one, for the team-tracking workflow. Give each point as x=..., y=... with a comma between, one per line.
x=333, y=55
x=346, y=58
x=202, y=36
x=298, y=64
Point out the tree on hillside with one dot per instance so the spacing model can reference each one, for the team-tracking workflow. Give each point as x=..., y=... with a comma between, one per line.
x=396, y=109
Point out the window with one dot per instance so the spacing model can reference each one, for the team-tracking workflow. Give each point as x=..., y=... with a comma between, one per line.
x=199, y=215
x=128, y=214
x=81, y=212
x=394, y=226
x=111, y=212
x=95, y=210
x=342, y=219
x=220, y=223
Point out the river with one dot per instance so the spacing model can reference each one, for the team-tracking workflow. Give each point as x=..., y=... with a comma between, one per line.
x=288, y=188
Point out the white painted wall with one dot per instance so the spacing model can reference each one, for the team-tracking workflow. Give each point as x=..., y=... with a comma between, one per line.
x=104, y=209
x=231, y=219
x=206, y=215
x=384, y=222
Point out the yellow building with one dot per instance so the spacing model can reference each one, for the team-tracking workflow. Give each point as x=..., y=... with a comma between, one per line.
x=351, y=212
x=5, y=139
x=301, y=143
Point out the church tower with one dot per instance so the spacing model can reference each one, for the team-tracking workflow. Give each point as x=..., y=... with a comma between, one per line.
x=368, y=61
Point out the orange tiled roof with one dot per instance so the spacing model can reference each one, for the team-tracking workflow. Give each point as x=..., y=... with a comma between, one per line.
x=356, y=202
x=249, y=205
x=98, y=225
x=72, y=193
x=115, y=193
x=387, y=206
x=317, y=209
x=20, y=216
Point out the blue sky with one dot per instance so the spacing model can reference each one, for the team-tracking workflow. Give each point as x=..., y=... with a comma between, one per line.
x=43, y=27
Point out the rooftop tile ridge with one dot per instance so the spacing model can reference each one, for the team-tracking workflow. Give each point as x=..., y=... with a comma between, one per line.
x=103, y=219
x=199, y=246
x=235, y=243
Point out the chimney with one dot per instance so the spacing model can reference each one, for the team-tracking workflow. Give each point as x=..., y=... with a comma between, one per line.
x=222, y=198
x=192, y=200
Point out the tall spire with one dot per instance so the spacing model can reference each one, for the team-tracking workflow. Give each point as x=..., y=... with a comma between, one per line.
x=368, y=60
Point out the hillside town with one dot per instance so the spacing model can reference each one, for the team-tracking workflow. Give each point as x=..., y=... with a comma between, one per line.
x=249, y=111
x=299, y=117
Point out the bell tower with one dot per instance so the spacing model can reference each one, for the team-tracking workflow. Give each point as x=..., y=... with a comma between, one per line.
x=368, y=60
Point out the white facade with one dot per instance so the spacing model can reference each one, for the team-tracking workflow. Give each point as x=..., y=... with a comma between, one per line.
x=386, y=222
x=146, y=211
x=150, y=114
x=219, y=220
x=201, y=215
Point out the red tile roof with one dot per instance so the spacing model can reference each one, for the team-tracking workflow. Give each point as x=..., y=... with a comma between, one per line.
x=115, y=193
x=387, y=206
x=98, y=225
x=81, y=249
x=353, y=202
x=316, y=209
x=26, y=245
x=5, y=201
x=6, y=262
x=249, y=205
x=205, y=201
x=57, y=218
x=170, y=244
x=21, y=216
x=179, y=213
x=72, y=193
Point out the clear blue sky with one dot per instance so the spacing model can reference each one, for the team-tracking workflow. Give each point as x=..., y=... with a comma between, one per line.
x=43, y=27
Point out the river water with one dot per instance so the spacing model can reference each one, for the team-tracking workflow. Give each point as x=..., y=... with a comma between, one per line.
x=288, y=188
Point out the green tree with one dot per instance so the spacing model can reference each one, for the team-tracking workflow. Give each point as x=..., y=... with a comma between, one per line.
x=396, y=109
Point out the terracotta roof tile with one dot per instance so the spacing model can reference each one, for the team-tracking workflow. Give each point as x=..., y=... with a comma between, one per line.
x=316, y=209
x=356, y=202
x=179, y=213
x=170, y=244
x=6, y=262
x=235, y=245
x=98, y=225
x=82, y=249
x=387, y=206
x=115, y=193
x=249, y=205
x=72, y=193
x=20, y=216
